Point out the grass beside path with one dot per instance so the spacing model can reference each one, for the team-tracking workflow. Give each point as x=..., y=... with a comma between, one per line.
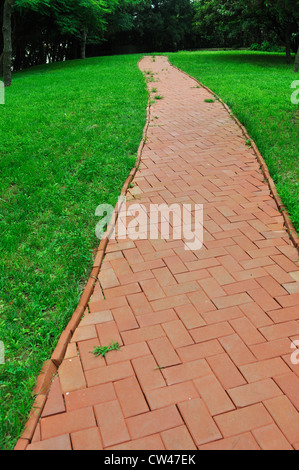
x=257, y=88
x=69, y=136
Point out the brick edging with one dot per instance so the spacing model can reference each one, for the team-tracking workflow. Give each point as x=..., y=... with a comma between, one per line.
x=281, y=207
x=50, y=367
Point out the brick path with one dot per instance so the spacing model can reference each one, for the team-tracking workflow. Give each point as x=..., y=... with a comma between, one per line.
x=206, y=336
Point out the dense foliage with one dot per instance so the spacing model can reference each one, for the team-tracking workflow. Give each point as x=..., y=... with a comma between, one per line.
x=244, y=22
x=46, y=31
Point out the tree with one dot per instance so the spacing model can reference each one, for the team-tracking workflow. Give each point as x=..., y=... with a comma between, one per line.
x=165, y=25
x=68, y=20
x=80, y=17
x=90, y=17
x=231, y=23
x=285, y=18
x=226, y=23
x=7, y=42
x=55, y=30
x=218, y=23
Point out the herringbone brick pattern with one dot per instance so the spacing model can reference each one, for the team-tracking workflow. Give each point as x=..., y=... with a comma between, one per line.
x=206, y=336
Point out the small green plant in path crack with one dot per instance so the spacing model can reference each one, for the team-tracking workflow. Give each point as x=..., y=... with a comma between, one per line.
x=103, y=350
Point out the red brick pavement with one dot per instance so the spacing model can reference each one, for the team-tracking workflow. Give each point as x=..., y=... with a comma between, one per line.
x=206, y=336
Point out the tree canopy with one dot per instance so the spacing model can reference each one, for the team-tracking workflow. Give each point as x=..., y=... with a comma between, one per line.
x=43, y=31
x=246, y=22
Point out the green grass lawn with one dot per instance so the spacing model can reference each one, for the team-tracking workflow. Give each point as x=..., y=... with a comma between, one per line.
x=257, y=88
x=69, y=136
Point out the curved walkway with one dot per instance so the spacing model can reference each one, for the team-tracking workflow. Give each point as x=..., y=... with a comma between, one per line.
x=206, y=335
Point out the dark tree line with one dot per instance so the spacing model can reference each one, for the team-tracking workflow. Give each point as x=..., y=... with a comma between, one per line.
x=6, y=56
x=232, y=23
x=42, y=31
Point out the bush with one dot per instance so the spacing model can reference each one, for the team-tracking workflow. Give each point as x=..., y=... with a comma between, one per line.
x=266, y=46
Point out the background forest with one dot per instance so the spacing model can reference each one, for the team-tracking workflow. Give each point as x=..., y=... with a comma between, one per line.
x=45, y=31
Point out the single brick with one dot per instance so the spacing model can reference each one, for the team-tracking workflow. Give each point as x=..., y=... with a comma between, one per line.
x=177, y=333
x=247, y=332
x=152, y=289
x=148, y=373
x=55, y=403
x=88, y=359
x=227, y=373
x=271, y=438
x=60, y=443
x=186, y=371
x=154, y=422
x=190, y=316
x=139, y=304
x=142, y=334
x=111, y=423
x=88, y=439
x=171, y=395
x=199, y=422
x=289, y=384
x=243, y=420
x=108, y=374
x=286, y=417
x=213, y=395
x=69, y=422
x=178, y=439
x=283, y=330
x=153, y=442
x=256, y=392
x=207, y=333
x=130, y=397
x=108, y=333
x=157, y=318
x=125, y=319
x=242, y=442
x=237, y=350
x=164, y=352
x=271, y=349
x=71, y=375
x=89, y=397
x=264, y=369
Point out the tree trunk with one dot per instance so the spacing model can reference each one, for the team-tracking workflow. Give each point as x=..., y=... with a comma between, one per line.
x=296, y=68
x=1, y=65
x=83, y=43
x=288, y=48
x=7, y=41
